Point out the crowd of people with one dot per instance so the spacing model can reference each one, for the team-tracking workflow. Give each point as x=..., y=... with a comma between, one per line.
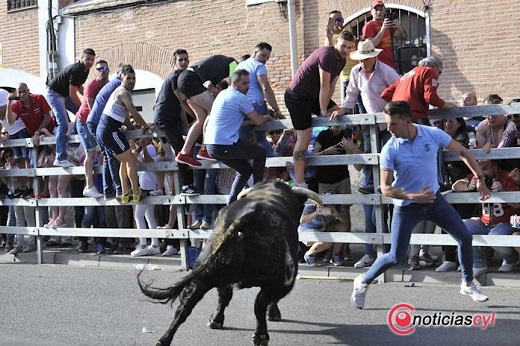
x=206, y=112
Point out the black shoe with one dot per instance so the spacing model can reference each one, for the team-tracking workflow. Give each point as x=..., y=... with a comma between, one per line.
x=83, y=247
x=18, y=193
x=189, y=190
x=51, y=243
x=28, y=193
x=366, y=190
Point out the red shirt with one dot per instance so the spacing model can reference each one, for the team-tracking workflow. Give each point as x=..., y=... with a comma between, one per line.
x=370, y=30
x=419, y=88
x=90, y=91
x=33, y=115
x=495, y=213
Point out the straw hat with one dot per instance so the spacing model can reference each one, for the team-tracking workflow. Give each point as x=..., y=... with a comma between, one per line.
x=365, y=50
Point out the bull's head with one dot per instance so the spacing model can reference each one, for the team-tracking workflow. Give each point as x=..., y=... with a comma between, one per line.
x=302, y=194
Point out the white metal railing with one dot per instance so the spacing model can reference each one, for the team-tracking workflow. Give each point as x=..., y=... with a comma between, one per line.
x=184, y=234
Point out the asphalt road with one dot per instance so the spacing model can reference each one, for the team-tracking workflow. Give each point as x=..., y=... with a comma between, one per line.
x=59, y=305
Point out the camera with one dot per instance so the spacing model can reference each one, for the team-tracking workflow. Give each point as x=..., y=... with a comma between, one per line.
x=324, y=211
x=340, y=146
x=391, y=15
x=13, y=98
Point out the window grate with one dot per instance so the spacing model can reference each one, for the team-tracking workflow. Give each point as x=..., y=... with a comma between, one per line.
x=20, y=4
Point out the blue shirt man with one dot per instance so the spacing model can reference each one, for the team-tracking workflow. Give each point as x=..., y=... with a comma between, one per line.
x=222, y=140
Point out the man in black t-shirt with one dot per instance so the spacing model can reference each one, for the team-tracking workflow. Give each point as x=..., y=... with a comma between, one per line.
x=62, y=94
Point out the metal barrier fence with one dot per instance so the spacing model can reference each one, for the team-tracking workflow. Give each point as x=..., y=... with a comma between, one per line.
x=184, y=234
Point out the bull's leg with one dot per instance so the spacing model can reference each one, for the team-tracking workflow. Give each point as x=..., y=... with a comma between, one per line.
x=273, y=313
x=260, y=337
x=225, y=294
x=190, y=296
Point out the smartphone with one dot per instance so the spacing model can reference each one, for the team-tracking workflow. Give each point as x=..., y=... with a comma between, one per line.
x=330, y=25
x=324, y=211
x=12, y=98
x=391, y=15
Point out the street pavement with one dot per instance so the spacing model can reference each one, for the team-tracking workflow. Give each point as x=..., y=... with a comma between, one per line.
x=63, y=305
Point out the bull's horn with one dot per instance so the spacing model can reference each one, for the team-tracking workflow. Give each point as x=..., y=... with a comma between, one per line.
x=243, y=193
x=310, y=194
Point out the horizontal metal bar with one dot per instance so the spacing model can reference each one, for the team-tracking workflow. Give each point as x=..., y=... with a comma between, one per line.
x=83, y=201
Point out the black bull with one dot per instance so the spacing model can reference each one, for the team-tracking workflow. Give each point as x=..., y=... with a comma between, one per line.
x=254, y=244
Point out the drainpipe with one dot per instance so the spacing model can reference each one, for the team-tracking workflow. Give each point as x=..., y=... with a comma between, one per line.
x=292, y=35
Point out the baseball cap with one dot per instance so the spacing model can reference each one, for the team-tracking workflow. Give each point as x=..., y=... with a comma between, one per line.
x=377, y=3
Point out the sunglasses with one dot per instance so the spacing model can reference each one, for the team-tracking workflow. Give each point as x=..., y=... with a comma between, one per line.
x=516, y=116
x=276, y=132
x=102, y=68
x=339, y=20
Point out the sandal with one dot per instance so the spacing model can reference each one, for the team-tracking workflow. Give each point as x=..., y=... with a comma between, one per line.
x=137, y=197
x=126, y=197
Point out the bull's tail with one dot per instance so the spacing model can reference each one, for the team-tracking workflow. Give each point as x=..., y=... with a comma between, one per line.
x=168, y=294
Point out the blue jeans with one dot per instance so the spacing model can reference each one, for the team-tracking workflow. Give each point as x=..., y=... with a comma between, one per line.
x=403, y=222
x=60, y=105
x=11, y=222
x=370, y=224
x=85, y=137
x=261, y=140
x=205, y=180
x=479, y=228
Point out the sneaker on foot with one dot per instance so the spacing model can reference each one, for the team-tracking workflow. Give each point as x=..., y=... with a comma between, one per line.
x=506, y=267
x=28, y=193
x=29, y=248
x=195, y=225
x=359, y=292
x=205, y=226
x=427, y=259
x=204, y=155
x=8, y=247
x=189, y=190
x=139, y=251
x=165, y=227
x=473, y=291
x=414, y=262
x=92, y=192
x=446, y=266
x=311, y=260
x=478, y=271
x=153, y=250
x=187, y=160
x=101, y=249
x=16, y=250
x=62, y=163
x=156, y=193
x=170, y=251
x=138, y=196
x=336, y=261
x=365, y=261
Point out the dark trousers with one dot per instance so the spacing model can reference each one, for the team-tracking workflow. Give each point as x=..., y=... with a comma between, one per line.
x=173, y=134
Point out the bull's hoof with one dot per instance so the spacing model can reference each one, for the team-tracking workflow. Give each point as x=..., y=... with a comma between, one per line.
x=260, y=340
x=215, y=325
x=275, y=318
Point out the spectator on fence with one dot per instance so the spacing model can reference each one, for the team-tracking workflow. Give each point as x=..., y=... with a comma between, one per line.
x=273, y=136
x=310, y=92
x=497, y=131
x=118, y=108
x=86, y=138
x=144, y=214
x=409, y=176
x=328, y=218
x=63, y=94
x=222, y=140
x=495, y=217
x=170, y=116
x=260, y=92
x=419, y=88
x=382, y=30
x=470, y=99
x=453, y=171
x=192, y=90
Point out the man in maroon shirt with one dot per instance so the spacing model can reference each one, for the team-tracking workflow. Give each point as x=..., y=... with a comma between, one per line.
x=381, y=30
x=310, y=92
x=419, y=88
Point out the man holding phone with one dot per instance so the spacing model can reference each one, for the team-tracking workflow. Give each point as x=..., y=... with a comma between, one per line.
x=382, y=29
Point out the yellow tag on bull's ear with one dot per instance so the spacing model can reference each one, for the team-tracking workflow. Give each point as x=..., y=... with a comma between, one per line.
x=232, y=67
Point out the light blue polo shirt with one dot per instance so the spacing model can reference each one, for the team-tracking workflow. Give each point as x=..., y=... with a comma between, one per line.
x=227, y=115
x=414, y=162
x=255, y=69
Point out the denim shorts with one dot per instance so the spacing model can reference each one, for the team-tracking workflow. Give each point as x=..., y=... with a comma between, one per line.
x=85, y=137
x=20, y=152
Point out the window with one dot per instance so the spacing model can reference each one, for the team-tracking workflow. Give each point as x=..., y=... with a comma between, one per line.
x=21, y=4
x=406, y=53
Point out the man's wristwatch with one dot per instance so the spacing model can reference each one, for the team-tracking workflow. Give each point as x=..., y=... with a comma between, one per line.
x=481, y=176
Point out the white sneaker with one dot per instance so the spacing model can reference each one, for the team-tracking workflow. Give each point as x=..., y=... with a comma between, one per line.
x=16, y=250
x=165, y=227
x=506, y=267
x=474, y=292
x=170, y=251
x=92, y=192
x=446, y=266
x=139, y=251
x=153, y=250
x=478, y=271
x=205, y=226
x=359, y=292
x=365, y=261
x=62, y=163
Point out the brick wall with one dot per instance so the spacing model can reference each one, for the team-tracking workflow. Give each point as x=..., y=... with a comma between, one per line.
x=19, y=38
x=476, y=39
